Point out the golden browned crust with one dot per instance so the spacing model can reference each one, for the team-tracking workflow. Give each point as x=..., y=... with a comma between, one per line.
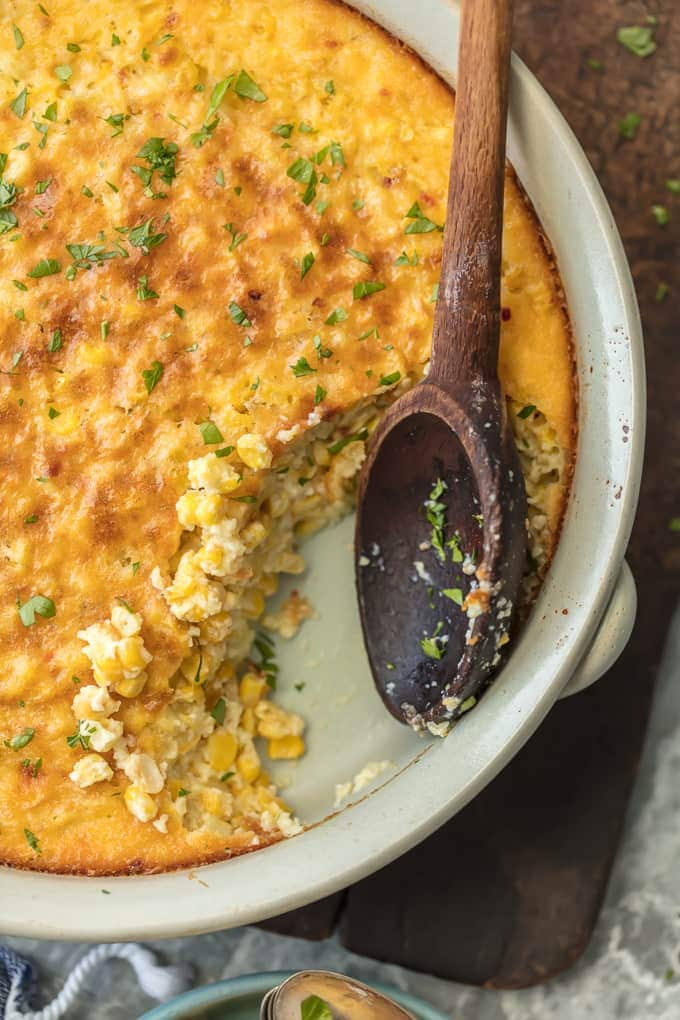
x=102, y=476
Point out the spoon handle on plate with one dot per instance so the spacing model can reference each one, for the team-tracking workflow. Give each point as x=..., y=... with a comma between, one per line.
x=466, y=322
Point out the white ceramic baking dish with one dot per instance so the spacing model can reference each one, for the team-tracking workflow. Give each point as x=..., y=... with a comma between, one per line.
x=579, y=625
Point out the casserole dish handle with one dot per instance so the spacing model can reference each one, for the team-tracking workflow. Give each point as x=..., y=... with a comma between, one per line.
x=611, y=636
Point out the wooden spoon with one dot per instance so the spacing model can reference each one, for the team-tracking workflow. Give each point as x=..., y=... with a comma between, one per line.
x=445, y=450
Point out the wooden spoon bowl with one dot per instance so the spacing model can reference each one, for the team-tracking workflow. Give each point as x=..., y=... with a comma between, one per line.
x=440, y=543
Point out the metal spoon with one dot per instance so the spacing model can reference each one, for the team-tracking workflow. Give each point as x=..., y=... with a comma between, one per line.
x=445, y=449
x=347, y=999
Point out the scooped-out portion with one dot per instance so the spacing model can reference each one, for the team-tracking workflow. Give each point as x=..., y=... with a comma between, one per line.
x=220, y=240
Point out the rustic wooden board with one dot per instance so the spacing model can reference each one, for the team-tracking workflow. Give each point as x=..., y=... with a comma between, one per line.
x=534, y=850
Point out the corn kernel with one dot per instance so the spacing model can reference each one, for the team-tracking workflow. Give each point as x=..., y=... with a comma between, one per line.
x=251, y=689
x=248, y=764
x=222, y=748
x=252, y=604
x=212, y=802
x=253, y=451
x=132, y=654
x=199, y=508
x=248, y=721
x=254, y=533
x=275, y=722
x=321, y=454
x=140, y=804
x=286, y=747
x=269, y=583
x=130, y=687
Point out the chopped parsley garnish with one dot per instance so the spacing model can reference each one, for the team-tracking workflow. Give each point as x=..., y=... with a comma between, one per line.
x=82, y=735
x=302, y=170
x=526, y=411
x=638, y=39
x=359, y=255
x=594, y=64
x=226, y=775
x=219, y=178
x=629, y=124
x=115, y=40
x=225, y=451
x=31, y=519
x=369, y=332
x=301, y=368
x=116, y=121
x=306, y=128
x=283, y=130
x=161, y=156
x=434, y=646
x=37, y=604
x=319, y=395
x=314, y=1008
x=144, y=292
x=265, y=646
x=435, y=511
x=145, y=54
x=152, y=376
x=329, y=87
x=219, y=711
x=85, y=256
x=365, y=288
x=323, y=352
x=660, y=214
x=179, y=311
x=306, y=264
x=420, y=223
x=21, y=739
x=73, y=47
x=18, y=37
x=407, y=260
x=86, y=191
x=46, y=267
x=321, y=206
x=210, y=433
x=104, y=329
x=247, y=88
x=50, y=113
x=19, y=285
x=661, y=291
x=236, y=238
x=673, y=185
x=31, y=839
x=674, y=525
x=455, y=594
x=238, y=315
x=53, y=413
x=337, y=315
x=389, y=380
x=135, y=568
x=182, y=792
x=435, y=294
x=32, y=768
x=142, y=237
x=358, y=203
x=63, y=72
x=337, y=155
x=340, y=444
x=454, y=544
x=18, y=104
x=42, y=186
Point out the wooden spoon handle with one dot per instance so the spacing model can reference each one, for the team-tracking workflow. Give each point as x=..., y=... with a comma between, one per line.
x=466, y=323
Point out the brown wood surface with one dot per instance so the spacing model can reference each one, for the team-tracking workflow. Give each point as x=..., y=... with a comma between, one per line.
x=533, y=852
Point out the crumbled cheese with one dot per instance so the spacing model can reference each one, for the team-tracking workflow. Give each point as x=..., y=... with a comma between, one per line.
x=90, y=769
x=366, y=775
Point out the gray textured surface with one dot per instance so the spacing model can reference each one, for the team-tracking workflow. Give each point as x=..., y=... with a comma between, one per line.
x=628, y=971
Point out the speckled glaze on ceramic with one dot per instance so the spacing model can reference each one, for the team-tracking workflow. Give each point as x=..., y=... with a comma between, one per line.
x=579, y=625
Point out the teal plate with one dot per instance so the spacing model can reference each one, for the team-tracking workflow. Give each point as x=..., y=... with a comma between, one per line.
x=239, y=999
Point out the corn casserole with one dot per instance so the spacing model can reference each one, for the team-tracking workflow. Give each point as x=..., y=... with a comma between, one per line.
x=220, y=238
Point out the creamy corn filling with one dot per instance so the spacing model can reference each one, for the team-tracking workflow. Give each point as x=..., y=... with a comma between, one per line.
x=242, y=519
